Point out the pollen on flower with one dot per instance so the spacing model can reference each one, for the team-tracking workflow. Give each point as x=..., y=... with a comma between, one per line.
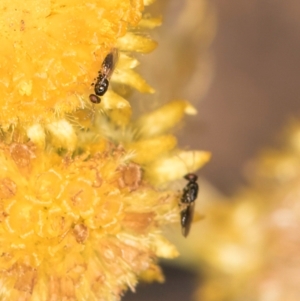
x=81, y=233
x=8, y=188
x=95, y=208
x=131, y=176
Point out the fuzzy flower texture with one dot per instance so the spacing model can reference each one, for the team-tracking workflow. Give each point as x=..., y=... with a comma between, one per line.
x=83, y=188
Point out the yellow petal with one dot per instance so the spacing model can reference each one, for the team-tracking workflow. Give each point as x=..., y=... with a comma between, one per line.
x=116, y=107
x=137, y=43
x=63, y=134
x=148, y=2
x=36, y=134
x=133, y=79
x=165, y=118
x=164, y=249
x=125, y=62
x=147, y=150
x=154, y=273
x=176, y=166
x=150, y=22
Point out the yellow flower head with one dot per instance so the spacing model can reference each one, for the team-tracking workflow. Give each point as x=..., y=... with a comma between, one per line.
x=83, y=194
x=90, y=221
x=87, y=224
x=51, y=52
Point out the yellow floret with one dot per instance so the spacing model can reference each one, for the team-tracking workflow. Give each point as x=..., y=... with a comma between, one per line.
x=51, y=52
x=83, y=227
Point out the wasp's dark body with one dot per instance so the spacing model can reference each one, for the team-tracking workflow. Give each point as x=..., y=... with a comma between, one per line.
x=102, y=81
x=189, y=196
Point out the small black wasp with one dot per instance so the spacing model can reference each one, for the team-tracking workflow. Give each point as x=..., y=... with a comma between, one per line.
x=190, y=193
x=102, y=81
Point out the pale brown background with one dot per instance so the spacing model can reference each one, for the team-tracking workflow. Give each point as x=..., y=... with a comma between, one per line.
x=255, y=90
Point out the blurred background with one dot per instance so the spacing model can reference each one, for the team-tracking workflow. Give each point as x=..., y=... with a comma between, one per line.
x=238, y=63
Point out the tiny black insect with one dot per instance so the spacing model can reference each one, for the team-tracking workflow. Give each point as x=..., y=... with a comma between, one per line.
x=102, y=81
x=189, y=196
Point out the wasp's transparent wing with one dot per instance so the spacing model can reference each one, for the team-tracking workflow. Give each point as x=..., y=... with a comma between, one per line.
x=186, y=218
